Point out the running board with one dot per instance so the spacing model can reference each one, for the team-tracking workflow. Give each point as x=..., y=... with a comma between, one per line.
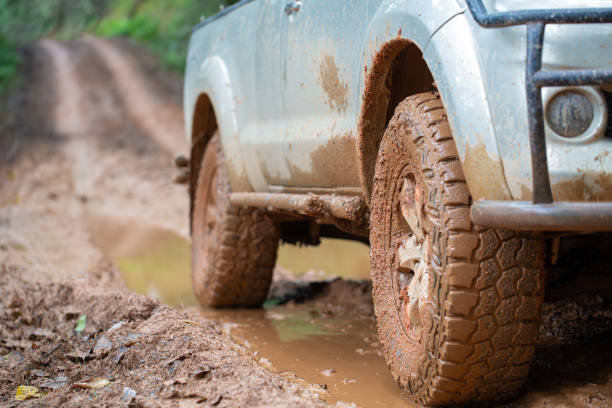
x=351, y=208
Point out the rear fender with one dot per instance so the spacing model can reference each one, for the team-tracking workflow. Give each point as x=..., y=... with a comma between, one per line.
x=213, y=80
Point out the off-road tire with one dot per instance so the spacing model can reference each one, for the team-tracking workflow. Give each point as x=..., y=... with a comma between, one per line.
x=232, y=261
x=480, y=304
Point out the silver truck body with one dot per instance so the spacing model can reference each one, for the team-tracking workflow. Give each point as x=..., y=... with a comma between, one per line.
x=290, y=88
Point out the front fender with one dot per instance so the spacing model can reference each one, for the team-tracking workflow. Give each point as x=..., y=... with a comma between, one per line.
x=439, y=30
x=453, y=60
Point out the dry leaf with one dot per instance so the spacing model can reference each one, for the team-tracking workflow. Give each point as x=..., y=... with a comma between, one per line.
x=92, y=383
x=25, y=392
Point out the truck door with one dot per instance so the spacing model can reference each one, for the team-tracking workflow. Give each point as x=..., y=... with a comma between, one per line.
x=263, y=140
x=321, y=72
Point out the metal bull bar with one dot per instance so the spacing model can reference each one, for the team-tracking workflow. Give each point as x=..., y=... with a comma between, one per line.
x=543, y=213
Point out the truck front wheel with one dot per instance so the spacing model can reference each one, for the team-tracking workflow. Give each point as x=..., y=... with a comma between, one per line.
x=457, y=306
x=233, y=248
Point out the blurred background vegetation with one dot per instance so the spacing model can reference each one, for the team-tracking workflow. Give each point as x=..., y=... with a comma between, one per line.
x=163, y=26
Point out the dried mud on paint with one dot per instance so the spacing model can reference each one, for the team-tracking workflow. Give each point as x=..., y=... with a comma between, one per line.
x=335, y=89
x=334, y=164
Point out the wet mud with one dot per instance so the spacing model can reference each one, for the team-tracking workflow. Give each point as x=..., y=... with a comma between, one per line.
x=321, y=328
x=85, y=225
x=68, y=324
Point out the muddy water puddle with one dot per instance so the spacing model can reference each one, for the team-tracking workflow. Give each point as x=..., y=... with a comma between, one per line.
x=341, y=353
x=152, y=261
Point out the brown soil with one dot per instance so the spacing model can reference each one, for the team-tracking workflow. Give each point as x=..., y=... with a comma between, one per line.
x=91, y=156
x=75, y=149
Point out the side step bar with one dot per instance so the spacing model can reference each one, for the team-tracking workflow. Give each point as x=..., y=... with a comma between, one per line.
x=345, y=207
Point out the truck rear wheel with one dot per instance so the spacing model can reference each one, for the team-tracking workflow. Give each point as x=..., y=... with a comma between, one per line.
x=233, y=248
x=457, y=306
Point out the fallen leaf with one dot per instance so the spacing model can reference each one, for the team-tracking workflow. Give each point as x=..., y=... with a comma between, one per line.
x=57, y=382
x=116, y=326
x=25, y=392
x=40, y=333
x=128, y=394
x=329, y=372
x=103, y=345
x=92, y=383
x=131, y=339
x=77, y=354
x=193, y=323
x=80, y=326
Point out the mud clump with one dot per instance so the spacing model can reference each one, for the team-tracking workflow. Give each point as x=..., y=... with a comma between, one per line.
x=329, y=297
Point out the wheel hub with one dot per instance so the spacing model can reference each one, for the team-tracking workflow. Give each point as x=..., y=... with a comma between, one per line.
x=410, y=259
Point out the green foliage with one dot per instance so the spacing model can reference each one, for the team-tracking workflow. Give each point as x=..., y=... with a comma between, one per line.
x=9, y=61
x=163, y=26
x=81, y=323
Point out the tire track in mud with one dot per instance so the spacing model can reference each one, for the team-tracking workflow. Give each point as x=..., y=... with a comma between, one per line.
x=69, y=118
x=52, y=273
x=117, y=167
x=162, y=121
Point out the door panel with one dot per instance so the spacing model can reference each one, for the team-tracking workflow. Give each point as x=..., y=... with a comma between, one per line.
x=320, y=93
x=263, y=141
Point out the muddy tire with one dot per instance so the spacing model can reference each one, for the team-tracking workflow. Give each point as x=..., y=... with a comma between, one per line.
x=457, y=306
x=233, y=248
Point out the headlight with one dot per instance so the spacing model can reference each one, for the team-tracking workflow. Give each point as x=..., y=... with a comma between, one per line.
x=576, y=114
x=569, y=113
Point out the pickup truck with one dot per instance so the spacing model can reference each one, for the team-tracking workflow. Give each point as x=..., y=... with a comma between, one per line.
x=459, y=138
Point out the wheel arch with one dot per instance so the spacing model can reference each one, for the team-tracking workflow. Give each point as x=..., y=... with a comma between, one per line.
x=210, y=106
x=431, y=51
x=398, y=70
x=203, y=127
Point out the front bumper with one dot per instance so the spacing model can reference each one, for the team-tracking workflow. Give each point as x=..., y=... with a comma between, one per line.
x=556, y=216
x=543, y=214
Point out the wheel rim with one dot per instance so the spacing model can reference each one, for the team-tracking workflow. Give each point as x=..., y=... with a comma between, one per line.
x=410, y=258
x=211, y=214
x=206, y=218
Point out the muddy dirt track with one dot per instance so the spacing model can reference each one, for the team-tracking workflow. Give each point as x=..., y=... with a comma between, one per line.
x=89, y=135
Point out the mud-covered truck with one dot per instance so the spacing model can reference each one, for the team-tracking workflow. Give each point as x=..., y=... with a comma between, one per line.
x=459, y=138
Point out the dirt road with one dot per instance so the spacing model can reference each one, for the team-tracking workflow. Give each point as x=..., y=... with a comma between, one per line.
x=89, y=138
x=110, y=155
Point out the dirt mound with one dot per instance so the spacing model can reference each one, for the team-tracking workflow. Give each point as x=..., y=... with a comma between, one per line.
x=130, y=340
x=336, y=297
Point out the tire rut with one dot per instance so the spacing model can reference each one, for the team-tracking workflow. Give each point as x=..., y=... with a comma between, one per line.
x=116, y=167
x=162, y=121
